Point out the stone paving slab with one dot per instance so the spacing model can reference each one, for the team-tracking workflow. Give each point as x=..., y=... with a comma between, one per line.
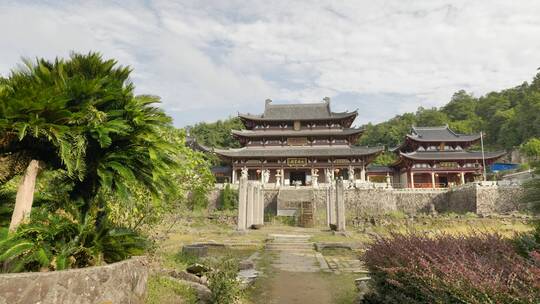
x=345, y=264
x=294, y=253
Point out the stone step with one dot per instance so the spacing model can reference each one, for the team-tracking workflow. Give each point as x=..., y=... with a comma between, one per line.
x=289, y=236
x=290, y=248
x=303, y=251
x=291, y=243
x=288, y=241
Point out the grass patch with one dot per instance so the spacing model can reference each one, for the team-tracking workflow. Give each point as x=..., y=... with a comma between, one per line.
x=162, y=290
x=283, y=220
x=343, y=287
x=337, y=252
x=258, y=291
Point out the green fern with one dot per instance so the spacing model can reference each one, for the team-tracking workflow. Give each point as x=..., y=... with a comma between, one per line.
x=61, y=241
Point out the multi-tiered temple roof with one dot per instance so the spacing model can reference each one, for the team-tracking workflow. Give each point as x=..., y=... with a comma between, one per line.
x=424, y=136
x=298, y=130
x=441, y=144
x=300, y=112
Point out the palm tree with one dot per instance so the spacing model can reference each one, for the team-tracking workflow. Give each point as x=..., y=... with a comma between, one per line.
x=82, y=115
x=34, y=126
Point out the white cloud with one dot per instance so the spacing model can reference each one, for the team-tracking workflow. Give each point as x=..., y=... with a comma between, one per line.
x=209, y=59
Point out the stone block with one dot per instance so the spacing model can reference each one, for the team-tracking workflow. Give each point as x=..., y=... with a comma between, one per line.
x=122, y=282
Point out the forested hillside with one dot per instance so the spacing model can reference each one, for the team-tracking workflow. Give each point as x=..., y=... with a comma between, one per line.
x=508, y=118
x=216, y=134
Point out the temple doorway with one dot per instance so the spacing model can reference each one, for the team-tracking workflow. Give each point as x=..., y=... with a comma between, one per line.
x=443, y=181
x=297, y=176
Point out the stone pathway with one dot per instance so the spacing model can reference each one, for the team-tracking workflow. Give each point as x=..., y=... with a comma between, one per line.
x=296, y=278
x=295, y=253
x=345, y=264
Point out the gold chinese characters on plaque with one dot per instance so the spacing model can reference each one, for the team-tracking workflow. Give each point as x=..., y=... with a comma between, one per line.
x=296, y=162
x=297, y=141
x=448, y=165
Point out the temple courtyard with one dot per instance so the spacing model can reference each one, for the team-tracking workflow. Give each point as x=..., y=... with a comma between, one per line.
x=292, y=264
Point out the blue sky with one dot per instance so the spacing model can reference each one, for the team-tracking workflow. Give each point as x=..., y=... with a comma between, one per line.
x=211, y=59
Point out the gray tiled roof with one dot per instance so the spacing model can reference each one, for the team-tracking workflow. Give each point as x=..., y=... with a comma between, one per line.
x=299, y=111
x=299, y=151
x=290, y=132
x=452, y=155
x=443, y=133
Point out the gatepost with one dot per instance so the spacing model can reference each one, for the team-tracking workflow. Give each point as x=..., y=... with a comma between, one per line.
x=256, y=203
x=340, y=205
x=331, y=204
x=260, y=205
x=250, y=202
x=242, y=204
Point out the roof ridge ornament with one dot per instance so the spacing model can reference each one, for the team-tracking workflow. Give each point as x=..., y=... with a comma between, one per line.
x=267, y=101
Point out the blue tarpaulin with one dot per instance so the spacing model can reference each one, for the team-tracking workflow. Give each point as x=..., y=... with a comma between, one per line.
x=502, y=167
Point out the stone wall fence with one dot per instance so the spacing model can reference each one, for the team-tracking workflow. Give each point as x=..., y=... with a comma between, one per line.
x=118, y=283
x=482, y=198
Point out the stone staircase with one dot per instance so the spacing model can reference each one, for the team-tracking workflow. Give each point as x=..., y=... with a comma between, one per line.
x=289, y=200
x=295, y=253
x=289, y=243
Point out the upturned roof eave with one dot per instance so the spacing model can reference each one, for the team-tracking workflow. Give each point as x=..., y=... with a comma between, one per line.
x=334, y=116
x=472, y=138
x=487, y=155
x=262, y=133
x=235, y=153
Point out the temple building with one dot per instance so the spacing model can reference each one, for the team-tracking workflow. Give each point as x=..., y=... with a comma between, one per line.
x=434, y=157
x=299, y=144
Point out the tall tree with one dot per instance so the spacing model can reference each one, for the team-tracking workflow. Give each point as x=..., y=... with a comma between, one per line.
x=461, y=107
x=81, y=115
x=34, y=122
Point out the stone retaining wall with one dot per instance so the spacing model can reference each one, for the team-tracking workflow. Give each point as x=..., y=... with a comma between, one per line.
x=122, y=282
x=476, y=198
x=482, y=199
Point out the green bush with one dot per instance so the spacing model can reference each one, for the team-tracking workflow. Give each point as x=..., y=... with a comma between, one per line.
x=198, y=199
x=223, y=282
x=228, y=199
x=57, y=241
x=528, y=242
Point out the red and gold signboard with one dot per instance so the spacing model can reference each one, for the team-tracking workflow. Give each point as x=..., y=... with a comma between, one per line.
x=448, y=165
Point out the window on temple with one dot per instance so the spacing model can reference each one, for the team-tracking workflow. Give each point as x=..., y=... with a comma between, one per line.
x=297, y=126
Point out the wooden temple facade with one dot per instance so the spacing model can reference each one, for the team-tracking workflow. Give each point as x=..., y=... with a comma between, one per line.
x=434, y=157
x=299, y=144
